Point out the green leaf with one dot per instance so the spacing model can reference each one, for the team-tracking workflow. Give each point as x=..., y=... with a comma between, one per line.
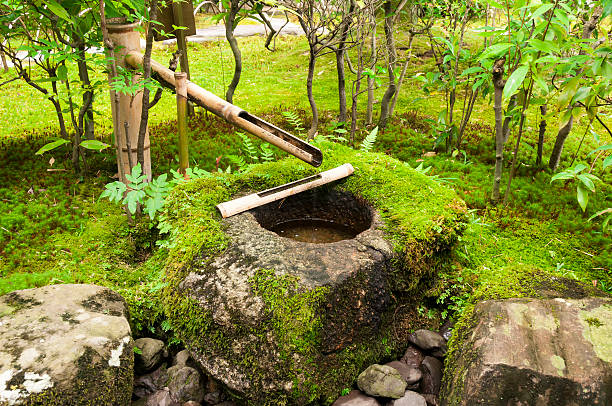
x=583, y=196
x=58, y=10
x=544, y=46
x=51, y=145
x=562, y=16
x=541, y=83
x=541, y=10
x=515, y=80
x=496, y=50
x=562, y=176
x=579, y=168
x=607, y=8
x=581, y=94
x=587, y=182
x=607, y=162
x=94, y=144
x=62, y=72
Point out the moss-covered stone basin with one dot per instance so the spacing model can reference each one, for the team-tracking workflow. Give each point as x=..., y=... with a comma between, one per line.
x=287, y=322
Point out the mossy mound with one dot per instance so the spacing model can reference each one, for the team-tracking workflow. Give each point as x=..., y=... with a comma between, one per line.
x=419, y=219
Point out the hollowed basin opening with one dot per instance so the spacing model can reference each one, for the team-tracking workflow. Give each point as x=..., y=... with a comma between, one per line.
x=317, y=216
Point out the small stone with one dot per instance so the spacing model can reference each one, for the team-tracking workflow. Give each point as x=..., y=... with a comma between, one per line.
x=185, y=384
x=356, y=398
x=152, y=352
x=446, y=331
x=410, y=398
x=181, y=358
x=161, y=398
x=148, y=384
x=427, y=340
x=214, y=398
x=432, y=400
x=381, y=380
x=411, y=375
x=192, y=403
x=413, y=357
x=432, y=375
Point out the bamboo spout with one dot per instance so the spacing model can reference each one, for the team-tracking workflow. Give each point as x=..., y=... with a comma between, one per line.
x=251, y=201
x=234, y=114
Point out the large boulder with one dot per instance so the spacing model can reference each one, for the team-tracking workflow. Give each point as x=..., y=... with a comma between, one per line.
x=532, y=352
x=282, y=321
x=65, y=345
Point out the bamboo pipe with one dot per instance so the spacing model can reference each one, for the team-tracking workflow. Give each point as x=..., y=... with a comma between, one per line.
x=251, y=201
x=181, y=112
x=234, y=114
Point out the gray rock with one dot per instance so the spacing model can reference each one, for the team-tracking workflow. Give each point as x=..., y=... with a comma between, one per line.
x=413, y=357
x=533, y=352
x=356, y=398
x=161, y=398
x=432, y=375
x=411, y=375
x=381, y=380
x=192, y=403
x=427, y=340
x=185, y=384
x=181, y=358
x=69, y=343
x=410, y=398
x=148, y=384
x=152, y=353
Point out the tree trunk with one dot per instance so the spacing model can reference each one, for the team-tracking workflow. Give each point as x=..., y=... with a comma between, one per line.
x=88, y=118
x=391, y=58
x=541, y=133
x=498, y=83
x=508, y=118
x=370, y=108
x=231, y=39
x=555, y=155
x=400, y=81
x=146, y=65
x=371, y=83
x=341, y=84
x=340, y=52
x=313, y=105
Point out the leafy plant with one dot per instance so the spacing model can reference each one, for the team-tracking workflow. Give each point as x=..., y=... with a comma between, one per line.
x=585, y=182
x=368, y=143
x=295, y=121
x=150, y=196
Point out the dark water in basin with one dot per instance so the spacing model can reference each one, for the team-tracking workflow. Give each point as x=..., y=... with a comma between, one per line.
x=315, y=231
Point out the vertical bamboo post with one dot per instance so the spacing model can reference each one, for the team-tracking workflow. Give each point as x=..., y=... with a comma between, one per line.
x=180, y=79
x=126, y=119
x=181, y=43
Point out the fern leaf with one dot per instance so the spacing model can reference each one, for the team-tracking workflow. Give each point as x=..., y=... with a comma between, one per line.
x=368, y=143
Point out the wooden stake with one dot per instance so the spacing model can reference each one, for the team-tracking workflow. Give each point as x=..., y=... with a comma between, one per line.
x=180, y=79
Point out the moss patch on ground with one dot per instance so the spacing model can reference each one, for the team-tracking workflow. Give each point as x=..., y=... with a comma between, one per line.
x=422, y=219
